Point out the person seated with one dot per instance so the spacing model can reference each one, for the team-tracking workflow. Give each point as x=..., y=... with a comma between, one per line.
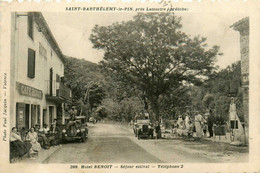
x=18, y=147
x=42, y=138
x=205, y=129
x=174, y=127
x=32, y=137
x=48, y=133
x=181, y=129
x=72, y=126
x=189, y=129
x=56, y=131
x=23, y=133
x=46, y=129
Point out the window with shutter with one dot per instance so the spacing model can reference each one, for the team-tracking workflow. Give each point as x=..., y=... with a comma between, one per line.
x=31, y=63
x=30, y=25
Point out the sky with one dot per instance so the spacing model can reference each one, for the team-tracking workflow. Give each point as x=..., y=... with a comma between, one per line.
x=72, y=32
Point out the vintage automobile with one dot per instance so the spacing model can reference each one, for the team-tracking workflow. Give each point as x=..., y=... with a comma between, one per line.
x=92, y=120
x=143, y=128
x=75, y=129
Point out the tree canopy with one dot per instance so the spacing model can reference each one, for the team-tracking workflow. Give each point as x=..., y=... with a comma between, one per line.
x=86, y=82
x=152, y=54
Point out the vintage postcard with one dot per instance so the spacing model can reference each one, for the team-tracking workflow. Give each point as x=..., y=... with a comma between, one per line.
x=137, y=86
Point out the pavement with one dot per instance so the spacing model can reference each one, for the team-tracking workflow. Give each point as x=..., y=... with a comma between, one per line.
x=43, y=155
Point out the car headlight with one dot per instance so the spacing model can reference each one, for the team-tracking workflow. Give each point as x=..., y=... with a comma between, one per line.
x=149, y=126
x=83, y=130
x=78, y=131
x=64, y=131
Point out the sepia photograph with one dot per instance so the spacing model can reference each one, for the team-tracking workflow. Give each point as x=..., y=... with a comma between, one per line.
x=165, y=86
x=160, y=86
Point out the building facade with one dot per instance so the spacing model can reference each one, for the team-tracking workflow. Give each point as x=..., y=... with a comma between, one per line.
x=38, y=93
x=242, y=26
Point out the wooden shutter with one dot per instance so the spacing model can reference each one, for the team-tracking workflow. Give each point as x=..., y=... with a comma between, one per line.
x=30, y=25
x=31, y=63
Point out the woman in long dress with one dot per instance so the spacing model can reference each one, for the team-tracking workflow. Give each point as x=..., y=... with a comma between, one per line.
x=198, y=124
x=18, y=148
x=33, y=138
x=179, y=120
x=187, y=120
x=237, y=130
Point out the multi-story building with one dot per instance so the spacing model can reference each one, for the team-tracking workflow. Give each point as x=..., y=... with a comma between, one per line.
x=37, y=90
x=242, y=26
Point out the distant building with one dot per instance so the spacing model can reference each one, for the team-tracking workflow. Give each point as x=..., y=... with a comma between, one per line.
x=37, y=72
x=242, y=26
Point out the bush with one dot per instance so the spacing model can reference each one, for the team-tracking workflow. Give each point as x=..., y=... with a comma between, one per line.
x=167, y=124
x=219, y=120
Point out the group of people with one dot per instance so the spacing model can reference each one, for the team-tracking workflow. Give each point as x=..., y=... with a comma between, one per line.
x=49, y=136
x=191, y=127
x=31, y=142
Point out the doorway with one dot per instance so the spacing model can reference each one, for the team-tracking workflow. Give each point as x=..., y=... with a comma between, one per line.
x=44, y=115
x=51, y=114
x=27, y=116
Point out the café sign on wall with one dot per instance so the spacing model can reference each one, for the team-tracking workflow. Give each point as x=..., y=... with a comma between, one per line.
x=29, y=91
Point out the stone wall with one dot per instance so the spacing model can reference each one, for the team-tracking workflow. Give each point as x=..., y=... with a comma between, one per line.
x=242, y=27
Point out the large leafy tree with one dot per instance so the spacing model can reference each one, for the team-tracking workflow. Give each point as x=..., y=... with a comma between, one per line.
x=153, y=55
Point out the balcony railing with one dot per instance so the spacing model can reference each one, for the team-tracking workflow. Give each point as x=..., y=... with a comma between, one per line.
x=58, y=89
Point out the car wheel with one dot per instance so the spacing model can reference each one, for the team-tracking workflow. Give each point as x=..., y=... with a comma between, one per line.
x=63, y=141
x=83, y=139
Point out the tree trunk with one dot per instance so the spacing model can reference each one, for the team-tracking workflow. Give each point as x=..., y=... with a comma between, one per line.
x=156, y=111
x=145, y=104
x=155, y=108
x=81, y=110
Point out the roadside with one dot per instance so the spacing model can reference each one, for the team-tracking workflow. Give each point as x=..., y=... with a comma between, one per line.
x=42, y=156
x=206, y=150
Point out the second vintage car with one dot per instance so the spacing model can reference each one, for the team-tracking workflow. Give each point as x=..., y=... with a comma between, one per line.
x=143, y=128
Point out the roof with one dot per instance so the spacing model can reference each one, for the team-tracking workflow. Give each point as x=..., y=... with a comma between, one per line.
x=44, y=28
x=242, y=24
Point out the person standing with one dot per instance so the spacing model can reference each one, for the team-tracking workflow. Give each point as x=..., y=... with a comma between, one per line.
x=236, y=126
x=56, y=132
x=158, y=130
x=179, y=120
x=210, y=123
x=232, y=118
x=187, y=120
x=199, y=120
